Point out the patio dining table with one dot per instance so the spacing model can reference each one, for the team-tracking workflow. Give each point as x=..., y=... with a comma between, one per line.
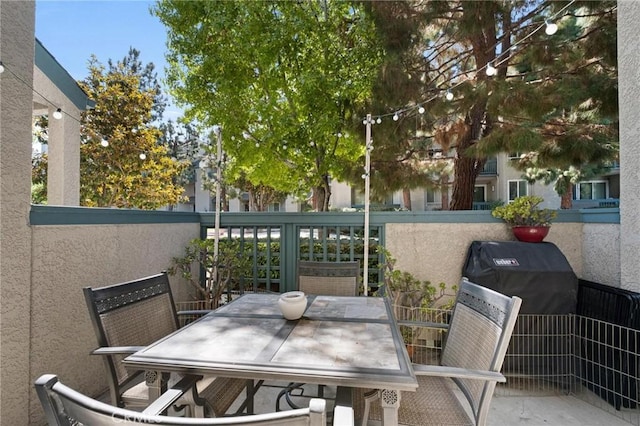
x=341, y=341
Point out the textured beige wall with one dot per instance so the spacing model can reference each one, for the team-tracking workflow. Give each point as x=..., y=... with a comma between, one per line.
x=17, y=21
x=601, y=253
x=437, y=251
x=629, y=99
x=68, y=258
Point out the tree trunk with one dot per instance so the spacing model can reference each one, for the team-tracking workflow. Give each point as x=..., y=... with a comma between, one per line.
x=406, y=198
x=463, y=186
x=566, y=200
x=321, y=195
x=444, y=192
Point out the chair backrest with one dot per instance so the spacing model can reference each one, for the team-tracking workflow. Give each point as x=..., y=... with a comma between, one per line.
x=65, y=406
x=133, y=313
x=328, y=278
x=479, y=333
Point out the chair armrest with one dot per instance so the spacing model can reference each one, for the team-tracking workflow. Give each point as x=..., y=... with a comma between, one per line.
x=462, y=373
x=343, y=409
x=168, y=398
x=343, y=416
x=117, y=350
x=201, y=312
x=426, y=324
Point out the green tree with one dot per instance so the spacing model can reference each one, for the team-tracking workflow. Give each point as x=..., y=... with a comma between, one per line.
x=575, y=75
x=548, y=94
x=397, y=162
x=122, y=162
x=281, y=78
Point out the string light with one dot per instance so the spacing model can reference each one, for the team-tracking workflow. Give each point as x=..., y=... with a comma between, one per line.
x=421, y=109
x=143, y=156
x=491, y=70
x=57, y=114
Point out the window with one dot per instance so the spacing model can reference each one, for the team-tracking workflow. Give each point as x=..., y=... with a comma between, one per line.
x=274, y=207
x=591, y=190
x=357, y=197
x=517, y=188
x=430, y=195
x=480, y=193
x=514, y=155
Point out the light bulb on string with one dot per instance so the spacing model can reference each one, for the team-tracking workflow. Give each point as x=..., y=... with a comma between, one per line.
x=379, y=120
x=104, y=143
x=143, y=156
x=491, y=70
x=551, y=28
x=421, y=110
x=396, y=117
x=1, y=67
x=57, y=114
x=448, y=96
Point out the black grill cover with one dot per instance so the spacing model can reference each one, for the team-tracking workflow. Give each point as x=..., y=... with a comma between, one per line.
x=536, y=272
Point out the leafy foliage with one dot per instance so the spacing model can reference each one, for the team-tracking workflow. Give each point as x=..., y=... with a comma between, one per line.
x=406, y=290
x=555, y=96
x=222, y=273
x=133, y=170
x=281, y=78
x=524, y=211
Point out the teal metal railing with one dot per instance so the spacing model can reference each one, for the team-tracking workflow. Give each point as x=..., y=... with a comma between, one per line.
x=277, y=241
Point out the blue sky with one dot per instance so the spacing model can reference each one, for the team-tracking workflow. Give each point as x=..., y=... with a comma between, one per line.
x=74, y=30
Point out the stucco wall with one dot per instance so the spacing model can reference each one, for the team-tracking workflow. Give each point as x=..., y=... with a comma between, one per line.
x=17, y=21
x=68, y=258
x=601, y=253
x=437, y=251
x=629, y=99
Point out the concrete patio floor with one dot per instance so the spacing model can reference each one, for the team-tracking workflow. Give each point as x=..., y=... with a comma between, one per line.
x=544, y=410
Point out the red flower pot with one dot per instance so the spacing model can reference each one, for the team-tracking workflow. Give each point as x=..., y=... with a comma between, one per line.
x=530, y=234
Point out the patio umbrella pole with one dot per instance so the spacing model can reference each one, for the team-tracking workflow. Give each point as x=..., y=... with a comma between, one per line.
x=367, y=169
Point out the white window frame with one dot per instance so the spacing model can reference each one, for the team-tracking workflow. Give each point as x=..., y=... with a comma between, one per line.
x=518, y=181
x=576, y=191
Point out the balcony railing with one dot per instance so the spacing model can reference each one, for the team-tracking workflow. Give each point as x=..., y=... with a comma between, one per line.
x=276, y=246
x=490, y=167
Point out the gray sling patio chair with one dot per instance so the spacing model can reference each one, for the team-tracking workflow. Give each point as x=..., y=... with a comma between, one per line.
x=328, y=279
x=129, y=316
x=64, y=406
x=476, y=343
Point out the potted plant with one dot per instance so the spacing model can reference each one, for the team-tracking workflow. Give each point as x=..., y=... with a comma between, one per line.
x=412, y=299
x=527, y=220
x=221, y=274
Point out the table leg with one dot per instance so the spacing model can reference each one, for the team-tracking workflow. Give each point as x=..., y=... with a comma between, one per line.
x=157, y=383
x=390, y=402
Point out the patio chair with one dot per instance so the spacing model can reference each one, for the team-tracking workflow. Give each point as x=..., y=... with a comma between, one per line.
x=328, y=279
x=65, y=406
x=476, y=343
x=129, y=316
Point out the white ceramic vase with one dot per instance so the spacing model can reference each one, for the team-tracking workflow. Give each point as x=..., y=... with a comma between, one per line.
x=292, y=304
